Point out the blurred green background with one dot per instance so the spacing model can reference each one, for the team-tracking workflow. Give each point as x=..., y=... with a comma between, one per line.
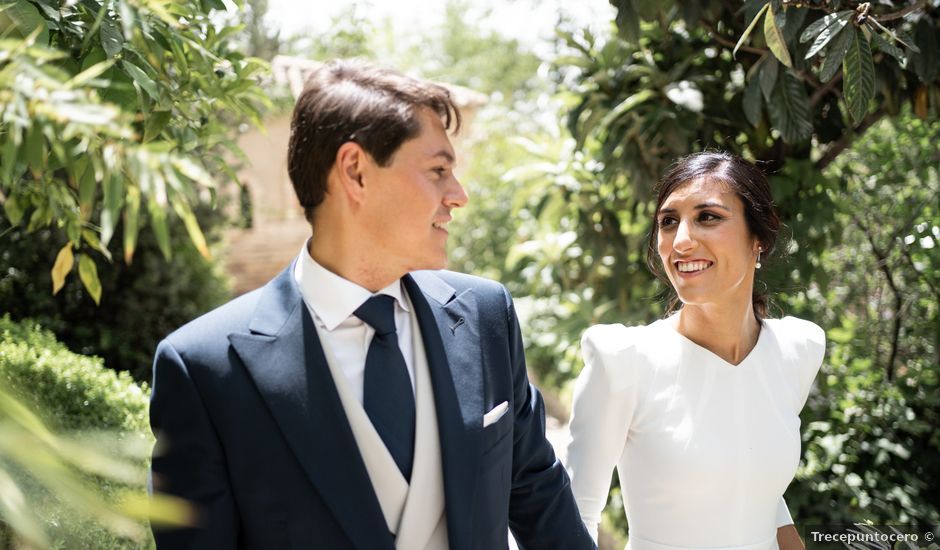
x=118, y=176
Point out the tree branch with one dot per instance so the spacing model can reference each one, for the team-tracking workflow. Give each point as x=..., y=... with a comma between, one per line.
x=724, y=41
x=825, y=89
x=898, y=299
x=919, y=5
x=843, y=143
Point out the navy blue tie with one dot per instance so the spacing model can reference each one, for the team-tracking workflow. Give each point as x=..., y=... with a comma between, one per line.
x=387, y=395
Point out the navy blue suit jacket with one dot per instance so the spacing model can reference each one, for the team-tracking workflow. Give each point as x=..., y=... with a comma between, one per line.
x=250, y=428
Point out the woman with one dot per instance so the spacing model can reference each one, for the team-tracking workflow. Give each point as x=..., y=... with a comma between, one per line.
x=699, y=411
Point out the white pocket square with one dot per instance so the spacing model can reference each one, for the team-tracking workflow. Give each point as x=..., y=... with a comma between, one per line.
x=495, y=414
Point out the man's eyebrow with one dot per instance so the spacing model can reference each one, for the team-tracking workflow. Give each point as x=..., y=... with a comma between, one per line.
x=697, y=207
x=445, y=155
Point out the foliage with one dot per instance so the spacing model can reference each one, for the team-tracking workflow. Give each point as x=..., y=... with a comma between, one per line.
x=140, y=303
x=45, y=501
x=666, y=84
x=115, y=113
x=871, y=440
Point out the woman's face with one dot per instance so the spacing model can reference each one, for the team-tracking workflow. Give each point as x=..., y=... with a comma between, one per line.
x=706, y=249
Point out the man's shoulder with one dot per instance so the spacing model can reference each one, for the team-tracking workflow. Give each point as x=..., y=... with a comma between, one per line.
x=461, y=282
x=215, y=325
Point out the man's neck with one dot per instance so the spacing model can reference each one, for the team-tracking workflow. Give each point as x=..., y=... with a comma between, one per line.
x=350, y=262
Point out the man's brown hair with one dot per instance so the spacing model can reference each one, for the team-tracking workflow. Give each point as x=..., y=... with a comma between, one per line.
x=345, y=101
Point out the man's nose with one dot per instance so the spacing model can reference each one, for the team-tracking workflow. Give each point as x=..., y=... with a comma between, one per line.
x=456, y=196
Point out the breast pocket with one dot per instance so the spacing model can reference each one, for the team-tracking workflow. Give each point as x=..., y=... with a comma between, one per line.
x=498, y=436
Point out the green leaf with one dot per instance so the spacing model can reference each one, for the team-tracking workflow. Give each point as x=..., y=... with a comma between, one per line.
x=87, y=186
x=159, y=226
x=889, y=48
x=826, y=35
x=25, y=20
x=91, y=238
x=63, y=265
x=88, y=74
x=818, y=26
x=749, y=29
x=112, y=41
x=835, y=53
x=752, y=102
x=131, y=223
x=13, y=210
x=625, y=106
x=156, y=122
x=9, y=159
x=769, y=70
x=790, y=111
x=775, y=40
x=88, y=272
x=858, y=77
x=628, y=21
x=192, y=226
x=34, y=149
x=113, y=189
x=141, y=78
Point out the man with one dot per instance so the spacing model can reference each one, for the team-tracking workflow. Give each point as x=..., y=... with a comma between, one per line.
x=356, y=401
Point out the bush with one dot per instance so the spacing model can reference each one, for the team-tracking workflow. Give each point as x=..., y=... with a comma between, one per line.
x=74, y=395
x=141, y=302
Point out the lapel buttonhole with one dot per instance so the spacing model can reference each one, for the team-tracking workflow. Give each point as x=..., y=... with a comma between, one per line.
x=453, y=328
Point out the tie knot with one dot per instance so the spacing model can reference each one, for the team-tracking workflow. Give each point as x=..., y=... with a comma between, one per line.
x=379, y=313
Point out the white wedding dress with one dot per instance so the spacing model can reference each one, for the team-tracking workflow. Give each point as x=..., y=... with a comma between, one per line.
x=704, y=449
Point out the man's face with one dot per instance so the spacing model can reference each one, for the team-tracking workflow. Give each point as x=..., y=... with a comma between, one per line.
x=409, y=202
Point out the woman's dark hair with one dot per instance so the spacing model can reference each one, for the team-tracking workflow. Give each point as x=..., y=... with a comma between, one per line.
x=345, y=101
x=750, y=185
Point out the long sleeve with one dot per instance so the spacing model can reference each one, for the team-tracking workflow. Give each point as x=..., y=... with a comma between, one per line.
x=542, y=512
x=188, y=459
x=783, y=514
x=605, y=398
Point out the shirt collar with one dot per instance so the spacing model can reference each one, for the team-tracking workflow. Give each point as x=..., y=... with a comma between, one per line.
x=332, y=298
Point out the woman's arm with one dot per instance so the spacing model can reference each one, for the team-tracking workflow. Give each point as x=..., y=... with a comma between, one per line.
x=789, y=539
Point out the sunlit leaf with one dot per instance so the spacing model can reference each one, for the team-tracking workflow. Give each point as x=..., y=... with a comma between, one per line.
x=775, y=40
x=192, y=227
x=827, y=34
x=835, y=54
x=749, y=29
x=111, y=39
x=141, y=78
x=88, y=273
x=63, y=265
x=131, y=220
x=816, y=27
x=858, y=77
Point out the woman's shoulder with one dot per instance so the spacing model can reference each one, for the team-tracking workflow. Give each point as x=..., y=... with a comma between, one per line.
x=613, y=338
x=806, y=337
x=797, y=330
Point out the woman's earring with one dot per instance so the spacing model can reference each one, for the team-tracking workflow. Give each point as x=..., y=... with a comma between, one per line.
x=759, y=250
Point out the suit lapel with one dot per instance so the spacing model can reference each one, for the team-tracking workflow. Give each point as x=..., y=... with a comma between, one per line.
x=450, y=329
x=285, y=359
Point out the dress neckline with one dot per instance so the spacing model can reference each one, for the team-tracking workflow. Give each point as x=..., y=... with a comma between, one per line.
x=764, y=329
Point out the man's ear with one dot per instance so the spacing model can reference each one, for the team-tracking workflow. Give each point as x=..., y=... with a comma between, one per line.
x=351, y=161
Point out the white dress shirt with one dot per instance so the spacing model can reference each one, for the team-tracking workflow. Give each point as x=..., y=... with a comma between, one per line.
x=331, y=301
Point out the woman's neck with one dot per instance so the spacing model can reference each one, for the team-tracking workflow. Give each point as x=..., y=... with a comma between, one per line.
x=730, y=332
